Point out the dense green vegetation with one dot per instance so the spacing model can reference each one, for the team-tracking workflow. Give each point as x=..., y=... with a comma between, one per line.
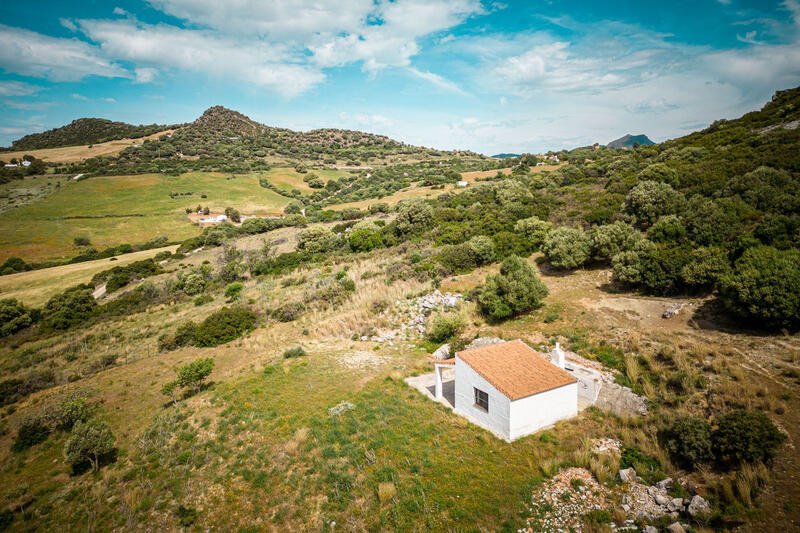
x=85, y=131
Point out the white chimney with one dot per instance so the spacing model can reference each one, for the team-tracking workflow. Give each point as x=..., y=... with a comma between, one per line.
x=558, y=356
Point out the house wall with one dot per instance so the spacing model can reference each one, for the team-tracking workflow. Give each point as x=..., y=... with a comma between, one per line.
x=528, y=415
x=497, y=419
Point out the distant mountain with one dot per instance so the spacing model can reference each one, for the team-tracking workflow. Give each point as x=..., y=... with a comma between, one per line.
x=504, y=156
x=629, y=140
x=84, y=131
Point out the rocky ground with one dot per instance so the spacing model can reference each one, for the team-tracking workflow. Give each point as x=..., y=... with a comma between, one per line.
x=568, y=499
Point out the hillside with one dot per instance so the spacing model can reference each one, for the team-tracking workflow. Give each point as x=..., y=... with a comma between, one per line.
x=84, y=131
x=299, y=332
x=630, y=141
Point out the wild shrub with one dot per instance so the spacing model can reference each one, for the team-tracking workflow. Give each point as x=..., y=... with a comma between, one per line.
x=225, y=325
x=32, y=431
x=688, y=441
x=14, y=316
x=567, y=247
x=745, y=437
x=445, y=326
x=69, y=308
x=764, y=287
x=289, y=312
x=233, y=290
x=295, y=351
x=515, y=290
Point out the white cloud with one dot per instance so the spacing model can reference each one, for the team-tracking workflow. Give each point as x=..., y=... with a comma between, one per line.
x=33, y=54
x=437, y=80
x=17, y=88
x=145, y=74
x=119, y=11
x=77, y=96
x=109, y=100
x=165, y=46
x=9, y=130
x=67, y=23
x=27, y=106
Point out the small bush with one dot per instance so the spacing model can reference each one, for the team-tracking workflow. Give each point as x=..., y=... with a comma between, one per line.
x=444, y=327
x=296, y=351
x=745, y=437
x=688, y=440
x=515, y=290
x=233, y=291
x=225, y=325
x=203, y=299
x=32, y=431
x=288, y=312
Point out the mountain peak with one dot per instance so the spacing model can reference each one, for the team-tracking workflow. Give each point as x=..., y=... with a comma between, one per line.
x=223, y=121
x=629, y=141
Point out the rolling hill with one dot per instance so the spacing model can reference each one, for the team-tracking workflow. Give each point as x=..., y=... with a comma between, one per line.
x=84, y=131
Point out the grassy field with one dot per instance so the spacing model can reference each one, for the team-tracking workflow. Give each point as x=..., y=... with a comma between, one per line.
x=287, y=178
x=31, y=189
x=260, y=451
x=125, y=209
x=73, y=154
x=35, y=287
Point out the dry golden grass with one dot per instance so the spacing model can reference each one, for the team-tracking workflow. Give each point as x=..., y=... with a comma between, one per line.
x=73, y=154
x=35, y=287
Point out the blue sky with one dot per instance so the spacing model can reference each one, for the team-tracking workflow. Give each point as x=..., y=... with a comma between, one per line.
x=487, y=76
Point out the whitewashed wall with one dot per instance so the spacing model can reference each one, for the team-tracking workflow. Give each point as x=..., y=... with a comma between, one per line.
x=497, y=419
x=528, y=415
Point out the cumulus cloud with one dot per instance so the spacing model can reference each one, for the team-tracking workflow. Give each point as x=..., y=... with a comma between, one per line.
x=149, y=46
x=33, y=54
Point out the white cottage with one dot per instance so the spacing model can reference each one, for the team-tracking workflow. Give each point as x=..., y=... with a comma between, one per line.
x=511, y=389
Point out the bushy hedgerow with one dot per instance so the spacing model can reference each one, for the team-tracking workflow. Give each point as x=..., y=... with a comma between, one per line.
x=764, y=287
x=413, y=216
x=69, y=308
x=224, y=326
x=515, y=290
x=317, y=239
x=667, y=228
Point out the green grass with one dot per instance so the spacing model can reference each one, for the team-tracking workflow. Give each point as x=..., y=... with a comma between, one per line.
x=270, y=451
x=125, y=209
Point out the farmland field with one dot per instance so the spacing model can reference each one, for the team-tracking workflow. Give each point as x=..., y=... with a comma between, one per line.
x=125, y=209
x=286, y=179
x=73, y=154
x=35, y=287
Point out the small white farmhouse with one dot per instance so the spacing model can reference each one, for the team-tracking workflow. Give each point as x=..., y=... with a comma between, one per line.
x=462, y=184
x=511, y=389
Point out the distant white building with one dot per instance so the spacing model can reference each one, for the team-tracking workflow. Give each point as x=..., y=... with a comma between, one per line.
x=215, y=219
x=26, y=163
x=510, y=389
x=462, y=184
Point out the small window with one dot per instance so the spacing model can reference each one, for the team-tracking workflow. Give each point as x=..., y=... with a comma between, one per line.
x=482, y=400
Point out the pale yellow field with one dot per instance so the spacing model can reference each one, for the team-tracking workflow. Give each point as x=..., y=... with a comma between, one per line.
x=72, y=154
x=34, y=288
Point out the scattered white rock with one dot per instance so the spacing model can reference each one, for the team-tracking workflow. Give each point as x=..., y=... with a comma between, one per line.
x=675, y=527
x=628, y=475
x=442, y=352
x=341, y=408
x=698, y=506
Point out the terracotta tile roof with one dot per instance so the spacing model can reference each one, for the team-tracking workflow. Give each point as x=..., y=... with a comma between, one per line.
x=515, y=369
